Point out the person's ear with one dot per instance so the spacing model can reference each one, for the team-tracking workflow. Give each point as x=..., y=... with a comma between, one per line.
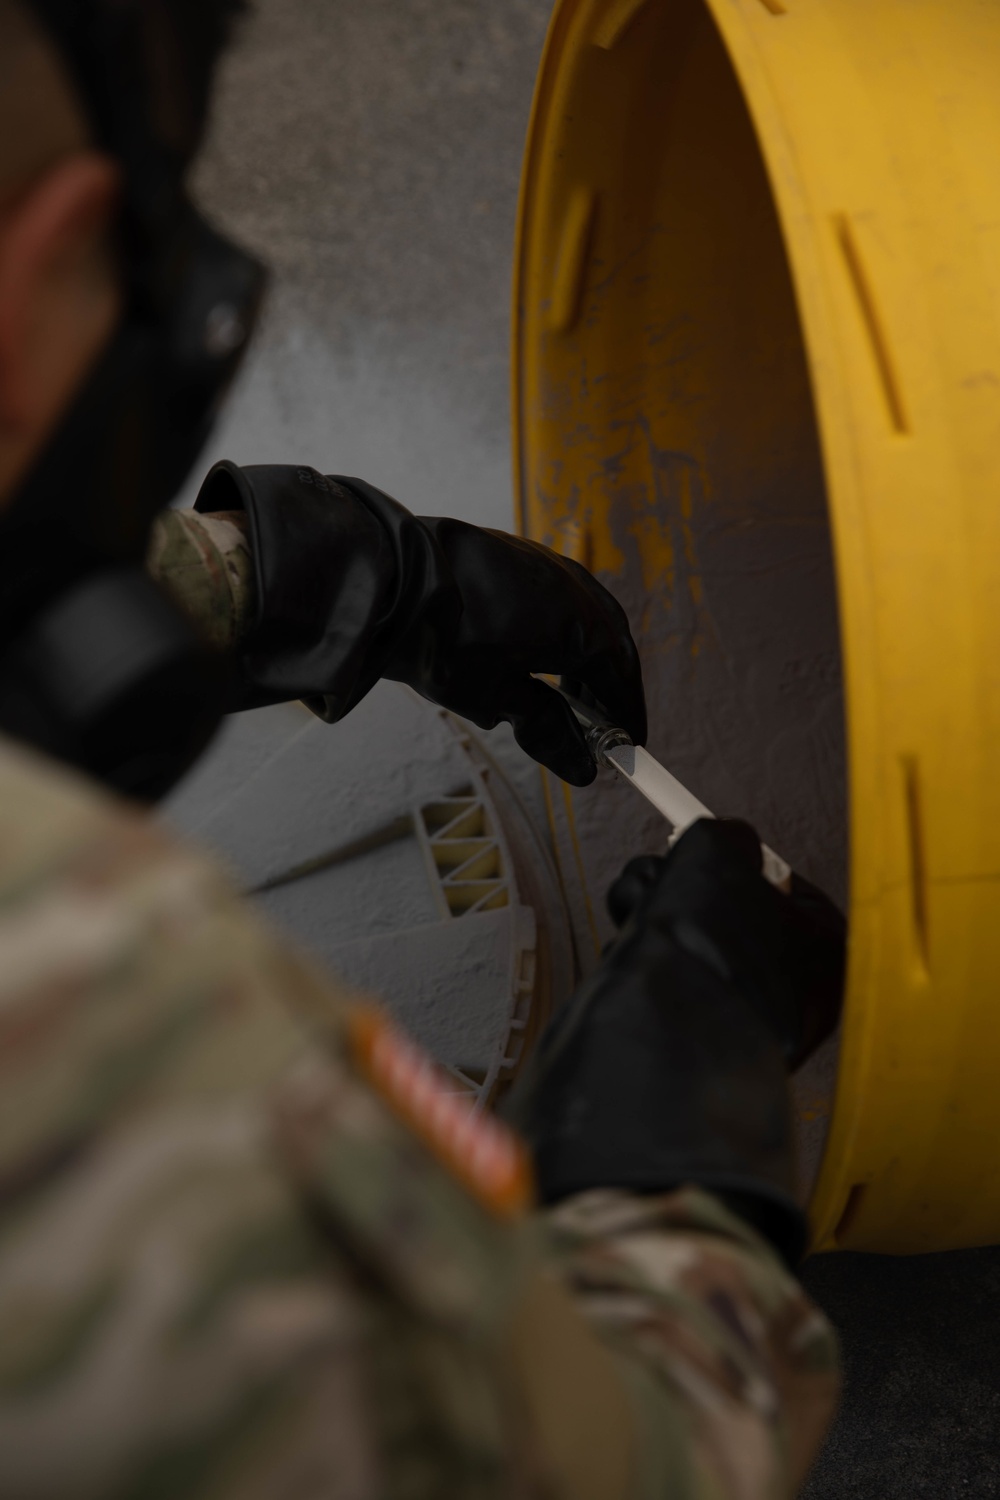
x=58, y=291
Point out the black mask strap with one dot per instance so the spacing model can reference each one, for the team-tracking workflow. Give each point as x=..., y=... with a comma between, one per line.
x=111, y=678
x=130, y=700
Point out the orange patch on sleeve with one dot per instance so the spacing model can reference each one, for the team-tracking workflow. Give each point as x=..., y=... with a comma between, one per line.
x=477, y=1149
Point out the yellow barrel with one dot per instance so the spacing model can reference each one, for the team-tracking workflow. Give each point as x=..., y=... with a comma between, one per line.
x=757, y=306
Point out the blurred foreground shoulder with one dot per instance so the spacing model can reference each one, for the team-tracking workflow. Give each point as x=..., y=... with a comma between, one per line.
x=111, y=930
x=166, y=1315
x=205, y=1283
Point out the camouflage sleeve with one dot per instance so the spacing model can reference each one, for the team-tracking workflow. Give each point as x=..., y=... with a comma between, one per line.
x=205, y=564
x=733, y=1371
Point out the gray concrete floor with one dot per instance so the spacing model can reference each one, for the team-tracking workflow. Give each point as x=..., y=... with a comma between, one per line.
x=370, y=150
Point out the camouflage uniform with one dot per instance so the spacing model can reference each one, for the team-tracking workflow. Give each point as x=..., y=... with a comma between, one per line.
x=229, y=1269
x=205, y=564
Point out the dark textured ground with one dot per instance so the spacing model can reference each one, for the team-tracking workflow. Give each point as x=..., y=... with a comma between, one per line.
x=921, y=1410
x=371, y=149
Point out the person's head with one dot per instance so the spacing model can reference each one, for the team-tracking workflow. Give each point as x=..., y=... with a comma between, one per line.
x=102, y=106
x=60, y=291
x=122, y=318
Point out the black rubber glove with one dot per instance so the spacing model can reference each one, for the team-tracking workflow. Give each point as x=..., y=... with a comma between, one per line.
x=352, y=587
x=669, y=1066
x=801, y=993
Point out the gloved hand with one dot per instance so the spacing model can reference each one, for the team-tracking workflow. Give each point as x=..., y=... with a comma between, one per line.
x=801, y=934
x=669, y=1066
x=351, y=587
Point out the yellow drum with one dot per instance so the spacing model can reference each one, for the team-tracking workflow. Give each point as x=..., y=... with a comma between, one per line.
x=757, y=308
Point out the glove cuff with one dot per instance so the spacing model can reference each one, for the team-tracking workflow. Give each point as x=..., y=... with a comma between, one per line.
x=658, y=1074
x=346, y=578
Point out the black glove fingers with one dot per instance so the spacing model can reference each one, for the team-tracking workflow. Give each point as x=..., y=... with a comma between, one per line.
x=525, y=609
x=817, y=953
x=603, y=657
x=787, y=952
x=614, y=677
x=712, y=855
x=741, y=839
x=546, y=728
x=633, y=885
x=601, y=596
x=804, y=933
x=604, y=672
x=713, y=900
